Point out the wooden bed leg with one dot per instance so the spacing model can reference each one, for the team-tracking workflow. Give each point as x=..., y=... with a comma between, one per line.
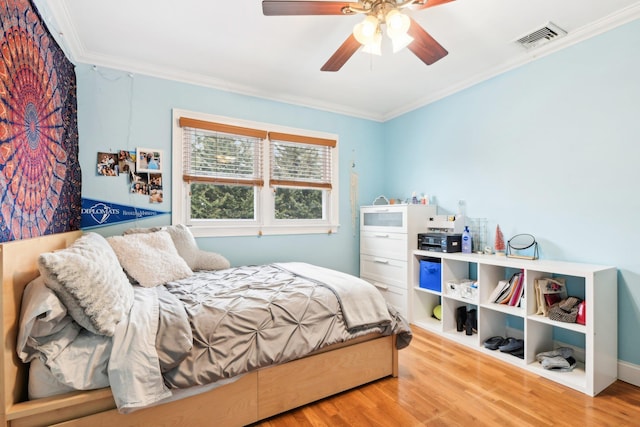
x=394, y=356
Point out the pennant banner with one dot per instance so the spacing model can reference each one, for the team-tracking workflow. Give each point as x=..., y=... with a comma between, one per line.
x=96, y=213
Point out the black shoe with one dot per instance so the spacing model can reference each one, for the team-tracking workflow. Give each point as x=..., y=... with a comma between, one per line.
x=471, y=324
x=461, y=318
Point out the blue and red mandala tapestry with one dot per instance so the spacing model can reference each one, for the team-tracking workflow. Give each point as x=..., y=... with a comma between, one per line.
x=40, y=179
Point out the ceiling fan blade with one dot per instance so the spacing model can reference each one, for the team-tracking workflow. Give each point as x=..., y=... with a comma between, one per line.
x=423, y=45
x=288, y=7
x=430, y=3
x=342, y=55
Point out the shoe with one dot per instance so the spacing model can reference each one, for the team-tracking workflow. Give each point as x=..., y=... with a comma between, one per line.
x=471, y=325
x=494, y=342
x=461, y=318
x=512, y=345
x=518, y=353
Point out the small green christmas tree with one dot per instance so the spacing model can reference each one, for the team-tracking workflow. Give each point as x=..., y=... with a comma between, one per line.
x=499, y=243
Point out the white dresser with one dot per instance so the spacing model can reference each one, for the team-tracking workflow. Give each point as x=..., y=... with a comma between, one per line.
x=388, y=235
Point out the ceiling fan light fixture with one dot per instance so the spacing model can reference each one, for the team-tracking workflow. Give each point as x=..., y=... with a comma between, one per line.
x=375, y=46
x=403, y=30
x=397, y=26
x=400, y=41
x=366, y=31
x=397, y=23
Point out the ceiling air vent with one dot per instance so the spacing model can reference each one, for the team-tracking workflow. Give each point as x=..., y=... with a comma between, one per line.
x=542, y=36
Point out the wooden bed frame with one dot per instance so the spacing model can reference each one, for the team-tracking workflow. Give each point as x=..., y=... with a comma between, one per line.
x=253, y=397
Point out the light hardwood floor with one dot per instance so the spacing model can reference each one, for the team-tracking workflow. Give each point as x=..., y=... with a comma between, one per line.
x=445, y=384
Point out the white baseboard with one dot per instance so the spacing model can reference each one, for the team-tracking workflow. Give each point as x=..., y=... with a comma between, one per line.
x=629, y=373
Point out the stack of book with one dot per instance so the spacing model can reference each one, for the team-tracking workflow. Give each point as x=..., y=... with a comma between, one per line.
x=509, y=292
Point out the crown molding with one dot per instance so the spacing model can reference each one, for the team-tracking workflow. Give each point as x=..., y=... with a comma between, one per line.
x=58, y=20
x=608, y=23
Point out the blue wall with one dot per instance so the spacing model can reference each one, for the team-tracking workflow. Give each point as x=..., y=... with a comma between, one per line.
x=121, y=111
x=550, y=148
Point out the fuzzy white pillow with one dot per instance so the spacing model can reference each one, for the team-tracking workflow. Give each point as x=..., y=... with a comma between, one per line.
x=187, y=248
x=150, y=258
x=89, y=281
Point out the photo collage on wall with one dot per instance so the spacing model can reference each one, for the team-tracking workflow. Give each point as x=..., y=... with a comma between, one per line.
x=143, y=166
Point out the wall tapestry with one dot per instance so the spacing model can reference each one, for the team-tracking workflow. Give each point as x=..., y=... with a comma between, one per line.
x=40, y=179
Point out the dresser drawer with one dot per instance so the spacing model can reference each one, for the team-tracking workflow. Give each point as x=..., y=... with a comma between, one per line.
x=384, y=244
x=385, y=270
x=384, y=218
x=393, y=295
x=396, y=218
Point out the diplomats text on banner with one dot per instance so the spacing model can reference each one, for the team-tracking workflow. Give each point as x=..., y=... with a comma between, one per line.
x=96, y=213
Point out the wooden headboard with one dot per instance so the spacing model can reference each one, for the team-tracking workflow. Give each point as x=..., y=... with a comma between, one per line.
x=18, y=267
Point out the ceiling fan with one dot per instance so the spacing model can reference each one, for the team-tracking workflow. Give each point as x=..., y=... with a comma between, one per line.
x=402, y=29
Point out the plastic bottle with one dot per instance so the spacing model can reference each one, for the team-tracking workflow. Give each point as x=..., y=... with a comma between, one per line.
x=466, y=240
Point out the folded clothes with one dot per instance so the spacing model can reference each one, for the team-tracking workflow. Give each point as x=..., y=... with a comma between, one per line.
x=559, y=363
x=561, y=359
x=560, y=351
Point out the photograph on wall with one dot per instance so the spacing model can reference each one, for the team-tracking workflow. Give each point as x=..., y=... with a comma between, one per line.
x=155, y=196
x=127, y=161
x=148, y=160
x=155, y=188
x=107, y=164
x=139, y=183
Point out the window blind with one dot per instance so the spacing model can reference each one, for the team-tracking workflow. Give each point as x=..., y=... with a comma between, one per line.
x=222, y=154
x=300, y=161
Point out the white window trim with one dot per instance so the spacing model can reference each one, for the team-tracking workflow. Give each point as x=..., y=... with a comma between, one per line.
x=264, y=224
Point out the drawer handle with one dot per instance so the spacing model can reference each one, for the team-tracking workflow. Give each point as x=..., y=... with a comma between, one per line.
x=381, y=261
x=384, y=236
x=380, y=286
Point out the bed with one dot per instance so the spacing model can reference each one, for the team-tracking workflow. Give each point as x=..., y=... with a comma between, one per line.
x=253, y=396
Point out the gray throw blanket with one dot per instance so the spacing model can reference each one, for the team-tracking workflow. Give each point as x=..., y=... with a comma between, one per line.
x=362, y=304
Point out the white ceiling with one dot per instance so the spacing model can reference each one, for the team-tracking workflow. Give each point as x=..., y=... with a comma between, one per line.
x=232, y=46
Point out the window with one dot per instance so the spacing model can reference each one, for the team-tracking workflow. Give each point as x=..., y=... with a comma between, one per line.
x=241, y=178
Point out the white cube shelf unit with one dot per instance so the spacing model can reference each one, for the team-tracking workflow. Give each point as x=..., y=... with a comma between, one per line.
x=596, y=342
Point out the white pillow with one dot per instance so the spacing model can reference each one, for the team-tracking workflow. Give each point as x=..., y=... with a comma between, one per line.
x=187, y=247
x=90, y=282
x=150, y=258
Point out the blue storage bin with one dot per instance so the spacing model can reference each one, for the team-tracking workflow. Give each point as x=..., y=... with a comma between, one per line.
x=430, y=277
